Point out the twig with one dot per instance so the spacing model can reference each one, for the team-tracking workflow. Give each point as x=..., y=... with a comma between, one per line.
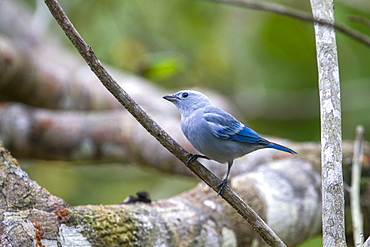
x=331, y=130
x=358, y=153
x=154, y=129
x=367, y=243
x=359, y=19
x=297, y=14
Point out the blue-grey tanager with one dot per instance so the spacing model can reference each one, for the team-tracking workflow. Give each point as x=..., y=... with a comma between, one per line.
x=214, y=132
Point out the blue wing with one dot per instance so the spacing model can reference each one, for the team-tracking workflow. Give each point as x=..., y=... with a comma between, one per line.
x=225, y=126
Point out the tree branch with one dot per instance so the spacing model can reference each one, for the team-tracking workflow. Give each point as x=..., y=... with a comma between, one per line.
x=297, y=14
x=358, y=156
x=31, y=216
x=360, y=19
x=48, y=83
x=331, y=131
x=154, y=129
x=367, y=243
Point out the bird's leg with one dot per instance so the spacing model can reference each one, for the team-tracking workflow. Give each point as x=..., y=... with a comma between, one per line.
x=195, y=157
x=223, y=182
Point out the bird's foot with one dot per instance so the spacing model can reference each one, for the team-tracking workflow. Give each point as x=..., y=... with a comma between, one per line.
x=195, y=157
x=222, y=186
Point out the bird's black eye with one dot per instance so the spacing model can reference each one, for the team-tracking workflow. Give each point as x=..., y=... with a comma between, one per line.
x=185, y=95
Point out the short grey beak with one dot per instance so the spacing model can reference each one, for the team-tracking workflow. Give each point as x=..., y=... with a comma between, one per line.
x=170, y=97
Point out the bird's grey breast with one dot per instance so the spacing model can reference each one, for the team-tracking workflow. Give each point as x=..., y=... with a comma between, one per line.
x=196, y=129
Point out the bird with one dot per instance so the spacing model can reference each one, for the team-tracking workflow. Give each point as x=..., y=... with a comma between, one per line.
x=215, y=133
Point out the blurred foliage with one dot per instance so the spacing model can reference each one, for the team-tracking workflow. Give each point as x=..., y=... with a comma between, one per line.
x=264, y=62
x=312, y=242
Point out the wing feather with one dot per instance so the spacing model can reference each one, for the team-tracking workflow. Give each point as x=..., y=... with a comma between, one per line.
x=225, y=126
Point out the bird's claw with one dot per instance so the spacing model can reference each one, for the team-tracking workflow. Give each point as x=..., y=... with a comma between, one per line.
x=222, y=186
x=195, y=157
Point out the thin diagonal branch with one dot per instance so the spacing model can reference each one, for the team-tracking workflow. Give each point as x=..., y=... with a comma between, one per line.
x=154, y=129
x=297, y=14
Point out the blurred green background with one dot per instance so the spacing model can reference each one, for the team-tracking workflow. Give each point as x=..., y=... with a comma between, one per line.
x=265, y=63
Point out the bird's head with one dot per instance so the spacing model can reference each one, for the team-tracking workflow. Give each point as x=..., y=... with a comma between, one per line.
x=188, y=100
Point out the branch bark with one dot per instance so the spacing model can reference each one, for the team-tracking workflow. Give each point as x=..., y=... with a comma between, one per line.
x=330, y=108
x=358, y=156
x=32, y=217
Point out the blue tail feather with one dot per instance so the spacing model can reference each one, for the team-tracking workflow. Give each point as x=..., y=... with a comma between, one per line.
x=280, y=147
